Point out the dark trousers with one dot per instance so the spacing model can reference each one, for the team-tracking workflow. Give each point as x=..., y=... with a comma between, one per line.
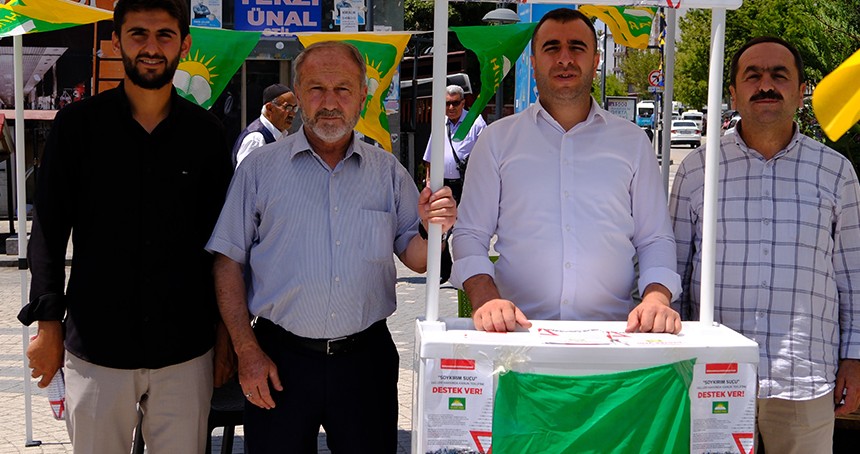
x=353, y=395
x=456, y=186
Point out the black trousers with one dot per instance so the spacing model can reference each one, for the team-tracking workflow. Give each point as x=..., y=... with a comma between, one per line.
x=456, y=186
x=353, y=395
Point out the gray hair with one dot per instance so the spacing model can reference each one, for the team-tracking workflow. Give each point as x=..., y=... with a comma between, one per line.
x=351, y=50
x=455, y=90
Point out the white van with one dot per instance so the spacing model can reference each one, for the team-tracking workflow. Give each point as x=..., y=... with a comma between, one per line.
x=694, y=115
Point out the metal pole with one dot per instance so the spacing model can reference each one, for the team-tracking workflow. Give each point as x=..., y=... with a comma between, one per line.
x=437, y=164
x=368, y=16
x=21, y=178
x=244, y=94
x=668, y=92
x=603, y=70
x=712, y=162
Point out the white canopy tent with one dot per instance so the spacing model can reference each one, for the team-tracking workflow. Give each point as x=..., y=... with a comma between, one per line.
x=715, y=87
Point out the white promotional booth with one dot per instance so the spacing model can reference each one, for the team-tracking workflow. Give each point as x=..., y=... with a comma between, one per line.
x=457, y=368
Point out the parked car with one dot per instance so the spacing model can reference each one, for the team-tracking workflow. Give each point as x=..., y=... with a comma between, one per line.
x=730, y=126
x=695, y=116
x=686, y=132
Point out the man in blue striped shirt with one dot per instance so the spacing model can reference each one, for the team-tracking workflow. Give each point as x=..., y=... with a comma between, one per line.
x=788, y=251
x=314, y=220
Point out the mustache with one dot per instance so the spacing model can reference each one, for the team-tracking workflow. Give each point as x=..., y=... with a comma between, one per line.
x=770, y=94
x=325, y=113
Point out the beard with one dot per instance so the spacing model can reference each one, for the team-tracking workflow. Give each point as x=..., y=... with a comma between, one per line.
x=329, y=132
x=149, y=80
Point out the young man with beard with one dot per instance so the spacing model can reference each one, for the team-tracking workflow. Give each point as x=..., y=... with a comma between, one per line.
x=315, y=220
x=788, y=236
x=573, y=194
x=129, y=175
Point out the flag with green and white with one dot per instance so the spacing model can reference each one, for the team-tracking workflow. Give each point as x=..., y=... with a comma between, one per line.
x=497, y=50
x=20, y=17
x=214, y=57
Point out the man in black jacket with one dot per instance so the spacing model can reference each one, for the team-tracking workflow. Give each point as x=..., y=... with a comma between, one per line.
x=130, y=177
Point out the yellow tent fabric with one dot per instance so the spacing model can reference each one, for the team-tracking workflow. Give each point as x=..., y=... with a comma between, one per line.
x=836, y=100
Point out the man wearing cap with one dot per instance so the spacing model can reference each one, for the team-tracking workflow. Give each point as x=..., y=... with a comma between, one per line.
x=276, y=117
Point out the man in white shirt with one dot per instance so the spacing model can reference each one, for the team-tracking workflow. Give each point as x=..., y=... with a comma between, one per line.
x=276, y=116
x=456, y=152
x=574, y=195
x=455, y=102
x=787, y=262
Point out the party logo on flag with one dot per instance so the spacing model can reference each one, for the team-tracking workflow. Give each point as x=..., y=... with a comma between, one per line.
x=497, y=50
x=19, y=17
x=214, y=57
x=382, y=53
x=630, y=25
x=720, y=408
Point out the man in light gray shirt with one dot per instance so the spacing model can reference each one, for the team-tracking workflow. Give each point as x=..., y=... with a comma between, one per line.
x=316, y=220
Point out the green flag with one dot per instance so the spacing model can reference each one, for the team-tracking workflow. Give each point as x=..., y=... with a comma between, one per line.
x=644, y=410
x=214, y=57
x=32, y=16
x=382, y=52
x=497, y=50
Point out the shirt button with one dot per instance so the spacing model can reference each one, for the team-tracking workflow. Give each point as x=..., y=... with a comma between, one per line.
x=337, y=242
x=565, y=302
x=567, y=265
x=337, y=278
x=766, y=221
x=332, y=315
x=767, y=193
x=763, y=284
x=566, y=194
x=335, y=209
x=567, y=227
x=760, y=314
x=764, y=251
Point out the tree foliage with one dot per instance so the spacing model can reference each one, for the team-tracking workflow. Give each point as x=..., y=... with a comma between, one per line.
x=635, y=66
x=418, y=14
x=614, y=87
x=826, y=32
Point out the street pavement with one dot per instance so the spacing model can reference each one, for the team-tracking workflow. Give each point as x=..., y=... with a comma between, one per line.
x=411, y=298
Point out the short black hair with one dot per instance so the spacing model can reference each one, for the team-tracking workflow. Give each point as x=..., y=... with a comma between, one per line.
x=564, y=15
x=798, y=62
x=177, y=9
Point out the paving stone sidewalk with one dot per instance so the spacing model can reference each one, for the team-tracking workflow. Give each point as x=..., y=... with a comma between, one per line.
x=410, y=305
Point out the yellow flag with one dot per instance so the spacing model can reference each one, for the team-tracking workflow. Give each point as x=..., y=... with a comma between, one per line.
x=382, y=53
x=630, y=25
x=32, y=16
x=836, y=100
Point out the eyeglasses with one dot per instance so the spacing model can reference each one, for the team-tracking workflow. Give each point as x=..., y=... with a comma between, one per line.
x=288, y=107
x=453, y=103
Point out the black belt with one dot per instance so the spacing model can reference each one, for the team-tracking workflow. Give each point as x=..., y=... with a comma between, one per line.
x=335, y=346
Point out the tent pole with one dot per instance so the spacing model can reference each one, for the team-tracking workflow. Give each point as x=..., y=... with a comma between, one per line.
x=437, y=163
x=668, y=94
x=712, y=162
x=21, y=179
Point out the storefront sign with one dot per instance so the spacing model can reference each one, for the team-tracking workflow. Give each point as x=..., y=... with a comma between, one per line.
x=278, y=17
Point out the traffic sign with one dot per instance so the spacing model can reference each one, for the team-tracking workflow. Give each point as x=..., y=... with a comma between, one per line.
x=655, y=78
